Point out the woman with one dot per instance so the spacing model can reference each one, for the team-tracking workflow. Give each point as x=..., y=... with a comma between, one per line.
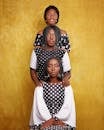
x=51, y=36
x=51, y=17
x=53, y=105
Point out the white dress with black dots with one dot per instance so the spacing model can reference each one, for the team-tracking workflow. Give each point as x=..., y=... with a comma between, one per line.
x=64, y=110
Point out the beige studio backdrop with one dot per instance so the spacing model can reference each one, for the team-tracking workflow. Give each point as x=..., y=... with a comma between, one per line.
x=20, y=20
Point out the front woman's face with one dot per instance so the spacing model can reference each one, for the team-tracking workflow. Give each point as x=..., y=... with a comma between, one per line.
x=51, y=17
x=53, y=68
x=51, y=38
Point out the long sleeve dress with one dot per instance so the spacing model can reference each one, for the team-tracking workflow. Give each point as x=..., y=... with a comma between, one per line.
x=54, y=100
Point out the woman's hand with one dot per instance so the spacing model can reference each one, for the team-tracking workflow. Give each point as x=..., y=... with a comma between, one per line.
x=51, y=122
x=47, y=123
x=65, y=80
x=58, y=122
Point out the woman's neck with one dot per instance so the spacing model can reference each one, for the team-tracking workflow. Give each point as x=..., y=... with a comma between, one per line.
x=49, y=48
x=54, y=80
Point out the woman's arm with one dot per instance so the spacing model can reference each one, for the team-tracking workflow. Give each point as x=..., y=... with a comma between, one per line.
x=34, y=77
x=33, y=63
x=68, y=113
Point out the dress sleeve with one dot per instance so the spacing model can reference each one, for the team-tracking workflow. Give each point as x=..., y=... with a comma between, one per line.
x=40, y=110
x=33, y=60
x=66, y=62
x=38, y=40
x=65, y=43
x=67, y=113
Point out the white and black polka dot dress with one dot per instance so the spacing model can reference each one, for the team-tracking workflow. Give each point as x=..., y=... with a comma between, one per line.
x=53, y=95
x=42, y=56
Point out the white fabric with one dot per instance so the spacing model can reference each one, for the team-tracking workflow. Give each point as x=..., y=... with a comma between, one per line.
x=33, y=60
x=65, y=61
x=41, y=113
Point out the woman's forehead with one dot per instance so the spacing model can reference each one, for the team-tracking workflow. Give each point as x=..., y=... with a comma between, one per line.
x=53, y=61
x=51, y=11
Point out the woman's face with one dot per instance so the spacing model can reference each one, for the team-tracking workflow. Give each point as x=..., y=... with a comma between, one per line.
x=51, y=17
x=53, y=68
x=51, y=38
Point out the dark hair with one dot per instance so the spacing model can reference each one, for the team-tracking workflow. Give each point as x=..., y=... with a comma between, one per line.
x=57, y=34
x=51, y=7
x=61, y=68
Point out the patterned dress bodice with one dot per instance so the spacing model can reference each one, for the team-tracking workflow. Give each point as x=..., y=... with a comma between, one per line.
x=53, y=95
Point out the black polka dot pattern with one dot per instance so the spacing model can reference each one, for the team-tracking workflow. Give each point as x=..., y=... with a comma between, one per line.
x=53, y=95
x=63, y=42
x=42, y=56
x=38, y=40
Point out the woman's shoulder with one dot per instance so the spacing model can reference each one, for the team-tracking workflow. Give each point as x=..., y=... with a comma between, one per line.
x=69, y=88
x=38, y=90
x=40, y=32
x=61, y=50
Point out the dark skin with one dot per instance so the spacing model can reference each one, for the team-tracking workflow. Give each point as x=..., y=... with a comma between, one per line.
x=66, y=78
x=33, y=74
x=52, y=121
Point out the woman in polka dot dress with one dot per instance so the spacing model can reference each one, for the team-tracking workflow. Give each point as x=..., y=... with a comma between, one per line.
x=51, y=36
x=53, y=105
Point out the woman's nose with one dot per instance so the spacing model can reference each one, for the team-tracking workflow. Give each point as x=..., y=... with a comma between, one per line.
x=53, y=68
x=51, y=36
x=51, y=15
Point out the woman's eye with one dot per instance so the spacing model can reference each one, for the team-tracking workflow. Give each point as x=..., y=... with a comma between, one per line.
x=56, y=65
x=49, y=66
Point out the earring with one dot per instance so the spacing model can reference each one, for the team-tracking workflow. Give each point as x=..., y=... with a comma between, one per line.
x=47, y=76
